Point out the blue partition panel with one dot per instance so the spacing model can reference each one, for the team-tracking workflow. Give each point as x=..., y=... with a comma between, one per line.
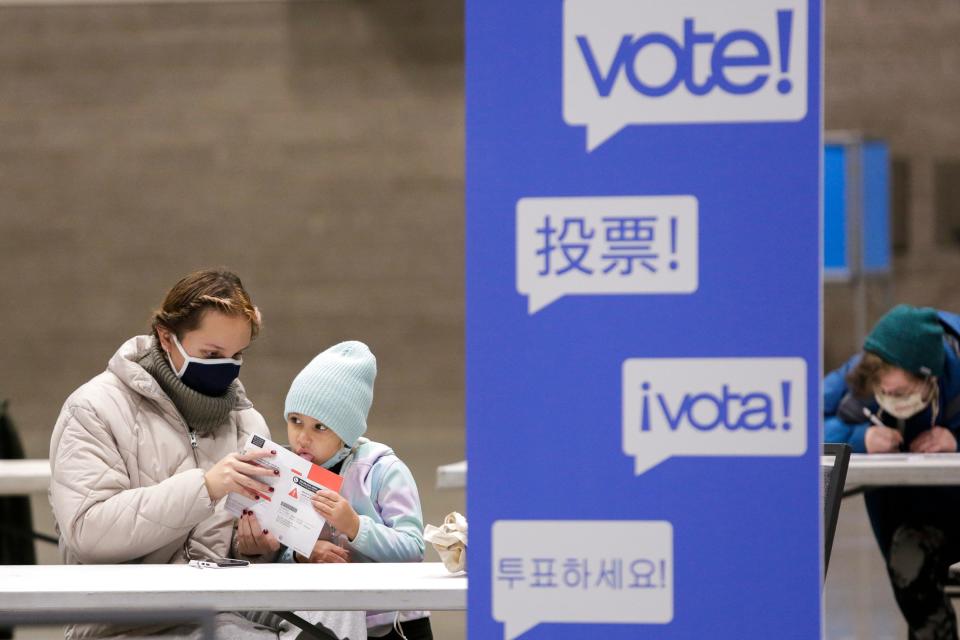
x=835, y=259
x=876, y=207
x=643, y=318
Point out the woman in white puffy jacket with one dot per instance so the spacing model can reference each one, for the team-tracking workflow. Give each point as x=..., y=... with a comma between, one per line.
x=143, y=453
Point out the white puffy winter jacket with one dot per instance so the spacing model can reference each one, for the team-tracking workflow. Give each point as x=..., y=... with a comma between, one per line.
x=127, y=484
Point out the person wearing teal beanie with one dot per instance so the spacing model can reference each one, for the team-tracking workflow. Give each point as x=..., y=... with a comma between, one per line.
x=336, y=388
x=376, y=516
x=902, y=393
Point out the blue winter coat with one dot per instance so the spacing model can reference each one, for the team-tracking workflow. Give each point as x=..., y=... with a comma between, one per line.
x=843, y=419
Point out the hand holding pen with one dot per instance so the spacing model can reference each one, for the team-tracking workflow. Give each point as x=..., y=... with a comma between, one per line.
x=880, y=438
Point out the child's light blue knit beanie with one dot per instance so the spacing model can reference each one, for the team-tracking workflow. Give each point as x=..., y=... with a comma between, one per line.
x=336, y=388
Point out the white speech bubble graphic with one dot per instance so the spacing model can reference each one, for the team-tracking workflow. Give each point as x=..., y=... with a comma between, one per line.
x=606, y=246
x=713, y=407
x=634, y=62
x=546, y=571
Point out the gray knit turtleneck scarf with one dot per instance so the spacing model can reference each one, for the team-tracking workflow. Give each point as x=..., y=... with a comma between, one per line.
x=204, y=414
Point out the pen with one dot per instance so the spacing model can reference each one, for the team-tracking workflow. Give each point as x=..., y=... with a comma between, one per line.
x=872, y=417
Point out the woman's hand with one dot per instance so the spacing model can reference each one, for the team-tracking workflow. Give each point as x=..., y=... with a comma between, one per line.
x=936, y=440
x=882, y=440
x=337, y=511
x=326, y=551
x=252, y=538
x=235, y=473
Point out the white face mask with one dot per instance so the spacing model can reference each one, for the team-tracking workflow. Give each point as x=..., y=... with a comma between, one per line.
x=902, y=407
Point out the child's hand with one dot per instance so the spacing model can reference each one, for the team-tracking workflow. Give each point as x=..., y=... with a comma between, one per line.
x=252, y=539
x=337, y=511
x=326, y=551
x=934, y=440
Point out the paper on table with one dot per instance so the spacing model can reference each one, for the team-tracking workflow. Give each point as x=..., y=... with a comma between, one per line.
x=287, y=512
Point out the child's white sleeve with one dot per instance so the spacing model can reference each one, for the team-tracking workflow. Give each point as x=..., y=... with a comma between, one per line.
x=400, y=537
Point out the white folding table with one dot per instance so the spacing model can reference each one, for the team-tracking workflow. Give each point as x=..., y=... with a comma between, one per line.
x=258, y=587
x=902, y=469
x=23, y=477
x=866, y=469
x=452, y=476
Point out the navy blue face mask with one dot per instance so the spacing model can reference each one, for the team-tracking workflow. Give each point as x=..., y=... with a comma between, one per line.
x=210, y=377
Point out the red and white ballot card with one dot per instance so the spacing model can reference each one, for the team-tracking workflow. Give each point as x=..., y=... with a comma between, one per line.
x=287, y=512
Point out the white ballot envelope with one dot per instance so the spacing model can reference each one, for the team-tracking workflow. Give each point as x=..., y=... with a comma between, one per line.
x=287, y=512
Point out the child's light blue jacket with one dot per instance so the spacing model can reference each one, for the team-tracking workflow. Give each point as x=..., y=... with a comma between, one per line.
x=381, y=489
x=384, y=494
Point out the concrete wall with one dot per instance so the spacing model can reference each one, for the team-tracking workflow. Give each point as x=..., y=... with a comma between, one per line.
x=317, y=149
x=892, y=71
x=314, y=147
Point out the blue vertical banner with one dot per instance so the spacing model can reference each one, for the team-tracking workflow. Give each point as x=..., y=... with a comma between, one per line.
x=643, y=318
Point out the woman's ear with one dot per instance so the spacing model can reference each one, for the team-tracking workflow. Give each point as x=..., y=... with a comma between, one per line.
x=163, y=335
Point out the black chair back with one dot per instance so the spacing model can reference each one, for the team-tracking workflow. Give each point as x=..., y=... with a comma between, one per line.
x=836, y=458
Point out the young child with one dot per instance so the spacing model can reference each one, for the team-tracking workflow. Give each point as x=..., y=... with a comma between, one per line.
x=376, y=517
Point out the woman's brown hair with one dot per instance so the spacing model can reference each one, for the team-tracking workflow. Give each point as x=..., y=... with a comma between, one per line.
x=189, y=299
x=865, y=375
